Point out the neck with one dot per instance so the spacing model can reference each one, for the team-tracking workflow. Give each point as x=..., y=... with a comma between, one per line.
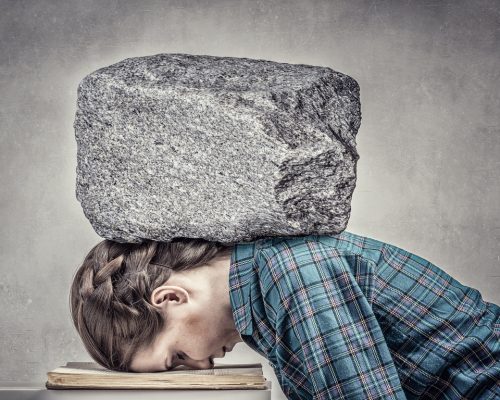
x=218, y=278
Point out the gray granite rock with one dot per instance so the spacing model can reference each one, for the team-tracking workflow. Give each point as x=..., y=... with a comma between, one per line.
x=225, y=149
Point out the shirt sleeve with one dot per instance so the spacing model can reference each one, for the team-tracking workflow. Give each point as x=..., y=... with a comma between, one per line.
x=328, y=342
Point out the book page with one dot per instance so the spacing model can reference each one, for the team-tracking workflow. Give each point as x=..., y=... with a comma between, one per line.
x=92, y=368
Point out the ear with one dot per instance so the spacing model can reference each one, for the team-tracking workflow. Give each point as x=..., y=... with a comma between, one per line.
x=165, y=296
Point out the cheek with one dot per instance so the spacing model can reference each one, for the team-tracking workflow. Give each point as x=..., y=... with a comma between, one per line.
x=203, y=321
x=198, y=329
x=203, y=333
x=194, y=323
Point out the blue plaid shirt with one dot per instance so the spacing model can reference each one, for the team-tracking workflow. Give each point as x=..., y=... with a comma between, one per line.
x=349, y=317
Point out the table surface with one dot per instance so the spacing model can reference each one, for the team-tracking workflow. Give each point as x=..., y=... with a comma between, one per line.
x=41, y=393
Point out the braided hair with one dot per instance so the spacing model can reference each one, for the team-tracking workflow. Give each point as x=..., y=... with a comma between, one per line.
x=110, y=294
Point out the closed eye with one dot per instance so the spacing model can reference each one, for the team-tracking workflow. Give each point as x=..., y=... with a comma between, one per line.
x=177, y=356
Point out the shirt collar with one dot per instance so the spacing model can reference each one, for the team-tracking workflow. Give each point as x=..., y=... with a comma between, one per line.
x=243, y=275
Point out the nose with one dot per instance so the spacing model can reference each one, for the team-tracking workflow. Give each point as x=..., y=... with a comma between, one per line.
x=196, y=364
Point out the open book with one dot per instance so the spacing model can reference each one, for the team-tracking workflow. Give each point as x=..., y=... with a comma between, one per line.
x=90, y=375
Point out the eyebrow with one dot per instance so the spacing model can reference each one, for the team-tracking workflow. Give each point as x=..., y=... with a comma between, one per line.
x=168, y=367
x=166, y=364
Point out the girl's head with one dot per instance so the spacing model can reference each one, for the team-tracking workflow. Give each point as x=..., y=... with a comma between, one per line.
x=110, y=297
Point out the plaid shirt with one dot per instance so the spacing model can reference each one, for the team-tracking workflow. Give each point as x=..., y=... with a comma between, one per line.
x=348, y=317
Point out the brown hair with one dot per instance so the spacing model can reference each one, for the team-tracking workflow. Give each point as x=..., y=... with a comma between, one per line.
x=111, y=290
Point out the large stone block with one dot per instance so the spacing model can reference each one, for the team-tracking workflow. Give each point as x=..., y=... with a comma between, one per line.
x=225, y=149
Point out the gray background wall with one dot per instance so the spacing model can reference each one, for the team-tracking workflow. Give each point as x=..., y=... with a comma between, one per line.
x=429, y=139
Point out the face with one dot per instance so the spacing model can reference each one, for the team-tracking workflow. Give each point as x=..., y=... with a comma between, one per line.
x=200, y=325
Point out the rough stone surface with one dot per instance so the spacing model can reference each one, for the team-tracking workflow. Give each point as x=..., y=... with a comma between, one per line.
x=225, y=149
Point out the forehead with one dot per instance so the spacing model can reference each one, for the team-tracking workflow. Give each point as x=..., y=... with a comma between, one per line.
x=152, y=357
x=147, y=358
